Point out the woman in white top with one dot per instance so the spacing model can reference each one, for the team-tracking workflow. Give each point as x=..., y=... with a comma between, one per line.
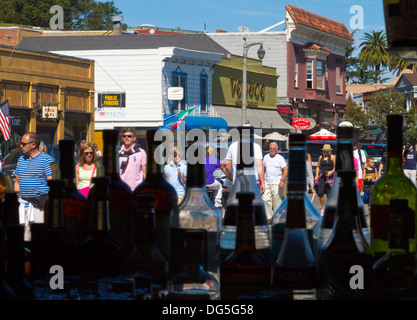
x=85, y=170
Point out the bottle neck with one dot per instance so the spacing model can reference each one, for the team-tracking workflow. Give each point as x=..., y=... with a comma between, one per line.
x=296, y=218
x=344, y=155
x=245, y=230
x=110, y=159
x=145, y=228
x=67, y=165
x=245, y=155
x=196, y=176
x=347, y=207
x=101, y=221
x=154, y=166
x=56, y=213
x=297, y=169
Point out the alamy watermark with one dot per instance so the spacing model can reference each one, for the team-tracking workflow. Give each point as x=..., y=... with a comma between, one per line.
x=357, y=20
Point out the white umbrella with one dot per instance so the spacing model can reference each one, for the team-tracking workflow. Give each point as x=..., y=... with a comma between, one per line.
x=323, y=134
x=276, y=136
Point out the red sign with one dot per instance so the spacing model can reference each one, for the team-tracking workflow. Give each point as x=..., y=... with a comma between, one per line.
x=301, y=123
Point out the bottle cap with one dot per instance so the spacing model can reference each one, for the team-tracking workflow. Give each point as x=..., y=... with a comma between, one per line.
x=245, y=199
x=296, y=138
x=345, y=133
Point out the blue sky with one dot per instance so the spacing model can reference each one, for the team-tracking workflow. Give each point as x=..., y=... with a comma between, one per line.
x=228, y=15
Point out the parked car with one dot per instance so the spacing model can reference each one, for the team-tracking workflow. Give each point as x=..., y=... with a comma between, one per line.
x=375, y=150
x=10, y=160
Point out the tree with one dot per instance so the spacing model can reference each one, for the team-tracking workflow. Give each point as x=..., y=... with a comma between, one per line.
x=78, y=15
x=385, y=102
x=374, y=51
x=411, y=124
x=356, y=115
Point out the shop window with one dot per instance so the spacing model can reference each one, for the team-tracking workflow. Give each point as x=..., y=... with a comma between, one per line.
x=295, y=73
x=320, y=75
x=309, y=74
x=203, y=92
x=338, y=80
x=179, y=79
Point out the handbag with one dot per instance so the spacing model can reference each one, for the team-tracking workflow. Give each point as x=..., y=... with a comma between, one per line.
x=84, y=191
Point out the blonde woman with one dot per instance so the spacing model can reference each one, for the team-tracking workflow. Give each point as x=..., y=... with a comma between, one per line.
x=85, y=170
x=176, y=174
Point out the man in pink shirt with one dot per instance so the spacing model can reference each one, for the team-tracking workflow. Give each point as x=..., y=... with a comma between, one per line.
x=132, y=160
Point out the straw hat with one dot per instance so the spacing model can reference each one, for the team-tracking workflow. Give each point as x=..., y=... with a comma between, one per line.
x=327, y=147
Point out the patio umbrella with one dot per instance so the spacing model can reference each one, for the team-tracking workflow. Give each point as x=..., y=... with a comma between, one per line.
x=323, y=134
x=275, y=136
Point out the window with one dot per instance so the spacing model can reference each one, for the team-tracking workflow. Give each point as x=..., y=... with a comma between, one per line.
x=179, y=80
x=295, y=73
x=320, y=75
x=309, y=74
x=203, y=92
x=338, y=80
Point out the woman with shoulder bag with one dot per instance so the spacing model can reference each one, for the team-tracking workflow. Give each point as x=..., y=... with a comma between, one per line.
x=85, y=170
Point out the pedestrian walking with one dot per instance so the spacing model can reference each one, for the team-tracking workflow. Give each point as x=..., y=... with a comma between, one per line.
x=32, y=172
x=409, y=155
x=212, y=164
x=132, y=160
x=276, y=171
x=326, y=166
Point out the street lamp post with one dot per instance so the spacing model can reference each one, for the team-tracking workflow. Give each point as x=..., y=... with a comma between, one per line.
x=261, y=55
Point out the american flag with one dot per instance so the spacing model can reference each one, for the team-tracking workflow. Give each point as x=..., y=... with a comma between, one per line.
x=5, y=120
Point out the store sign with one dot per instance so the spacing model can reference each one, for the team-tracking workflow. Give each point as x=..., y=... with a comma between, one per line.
x=301, y=123
x=50, y=112
x=111, y=100
x=175, y=93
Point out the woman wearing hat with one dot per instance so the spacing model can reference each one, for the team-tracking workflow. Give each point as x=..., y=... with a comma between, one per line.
x=324, y=173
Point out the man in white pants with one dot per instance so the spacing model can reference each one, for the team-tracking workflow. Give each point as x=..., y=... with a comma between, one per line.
x=276, y=171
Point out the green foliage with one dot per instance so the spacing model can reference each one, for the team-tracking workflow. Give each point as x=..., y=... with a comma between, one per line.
x=356, y=115
x=411, y=124
x=385, y=102
x=78, y=15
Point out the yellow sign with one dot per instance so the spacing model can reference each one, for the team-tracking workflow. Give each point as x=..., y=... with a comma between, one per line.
x=255, y=89
x=112, y=100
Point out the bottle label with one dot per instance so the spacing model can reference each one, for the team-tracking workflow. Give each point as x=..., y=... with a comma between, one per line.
x=380, y=219
x=295, y=278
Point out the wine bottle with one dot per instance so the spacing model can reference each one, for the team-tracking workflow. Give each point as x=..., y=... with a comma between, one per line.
x=61, y=249
x=393, y=273
x=100, y=254
x=344, y=161
x=295, y=269
x=345, y=261
x=146, y=258
x=15, y=267
x=245, y=271
x=392, y=185
x=76, y=205
x=245, y=181
x=196, y=211
x=194, y=282
x=120, y=201
x=166, y=200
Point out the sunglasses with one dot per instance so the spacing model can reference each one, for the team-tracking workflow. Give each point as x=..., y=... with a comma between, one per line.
x=88, y=152
x=23, y=144
x=127, y=136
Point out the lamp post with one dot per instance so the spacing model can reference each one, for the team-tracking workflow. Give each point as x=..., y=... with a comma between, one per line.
x=261, y=55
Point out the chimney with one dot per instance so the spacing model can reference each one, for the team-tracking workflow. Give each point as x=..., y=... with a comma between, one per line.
x=117, y=25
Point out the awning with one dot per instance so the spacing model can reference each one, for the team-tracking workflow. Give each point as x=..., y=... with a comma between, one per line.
x=258, y=118
x=196, y=122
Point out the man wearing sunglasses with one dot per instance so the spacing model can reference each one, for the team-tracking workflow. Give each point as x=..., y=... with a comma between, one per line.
x=132, y=160
x=32, y=172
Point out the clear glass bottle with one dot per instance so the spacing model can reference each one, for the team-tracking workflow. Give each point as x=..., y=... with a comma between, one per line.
x=295, y=269
x=345, y=261
x=76, y=205
x=393, y=273
x=245, y=272
x=344, y=161
x=194, y=282
x=100, y=255
x=120, y=201
x=245, y=181
x=166, y=199
x=392, y=185
x=196, y=211
x=145, y=257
